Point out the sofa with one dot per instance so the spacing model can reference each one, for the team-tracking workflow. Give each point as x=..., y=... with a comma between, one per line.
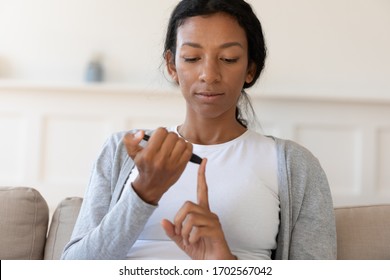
x=27, y=232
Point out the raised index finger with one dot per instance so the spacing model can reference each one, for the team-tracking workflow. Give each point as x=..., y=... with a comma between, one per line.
x=202, y=190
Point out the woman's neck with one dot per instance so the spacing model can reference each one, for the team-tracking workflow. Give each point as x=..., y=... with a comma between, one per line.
x=209, y=133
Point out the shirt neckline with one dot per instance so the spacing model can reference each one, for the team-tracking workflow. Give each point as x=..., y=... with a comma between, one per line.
x=216, y=146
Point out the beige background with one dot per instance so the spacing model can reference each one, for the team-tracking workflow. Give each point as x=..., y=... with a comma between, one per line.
x=316, y=47
x=326, y=85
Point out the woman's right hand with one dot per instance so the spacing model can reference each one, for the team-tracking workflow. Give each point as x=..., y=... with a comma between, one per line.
x=160, y=164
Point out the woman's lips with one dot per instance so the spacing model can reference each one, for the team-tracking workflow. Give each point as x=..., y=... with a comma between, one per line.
x=209, y=95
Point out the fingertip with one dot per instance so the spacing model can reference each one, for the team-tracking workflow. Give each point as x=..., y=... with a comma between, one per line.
x=202, y=167
x=139, y=134
x=168, y=228
x=131, y=138
x=164, y=222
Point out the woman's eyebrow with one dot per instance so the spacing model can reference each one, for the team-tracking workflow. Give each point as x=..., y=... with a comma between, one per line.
x=223, y=46
x=231, y=44
x=191, y=44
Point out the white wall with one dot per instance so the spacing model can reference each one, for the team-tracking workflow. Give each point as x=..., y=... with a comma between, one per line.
x=327, y=47
x=52, y=40
x=316, y=47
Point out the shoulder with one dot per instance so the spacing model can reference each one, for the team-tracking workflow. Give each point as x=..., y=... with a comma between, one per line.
x=299, y=169
x=301, y=174
x=306, y=204
x=294, y=154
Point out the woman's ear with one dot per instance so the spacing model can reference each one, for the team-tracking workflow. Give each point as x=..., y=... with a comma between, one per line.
x=171, y=67
x=250, y=73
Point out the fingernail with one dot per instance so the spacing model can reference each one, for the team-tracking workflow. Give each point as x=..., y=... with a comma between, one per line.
x=138, y=134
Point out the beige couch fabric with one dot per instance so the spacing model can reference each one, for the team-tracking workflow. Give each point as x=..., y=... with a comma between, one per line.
x=61, y=227
x=363, y=232
x=24, y=216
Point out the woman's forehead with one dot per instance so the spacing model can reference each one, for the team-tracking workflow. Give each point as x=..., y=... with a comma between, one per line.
x=219, y=28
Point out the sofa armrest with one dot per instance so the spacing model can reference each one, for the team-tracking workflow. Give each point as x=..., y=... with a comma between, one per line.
x=61, y=227
x=363, y=232
x=24, y=216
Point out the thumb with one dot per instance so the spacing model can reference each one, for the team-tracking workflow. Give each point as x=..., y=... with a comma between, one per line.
x=132, y=142
x=169, y=229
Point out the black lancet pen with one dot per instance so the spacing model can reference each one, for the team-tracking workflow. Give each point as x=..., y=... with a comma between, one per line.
x=194, y=158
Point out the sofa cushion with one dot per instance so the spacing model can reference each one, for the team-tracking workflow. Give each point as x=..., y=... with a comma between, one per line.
x=61, y=227
x=24, y=216
x=363, y=232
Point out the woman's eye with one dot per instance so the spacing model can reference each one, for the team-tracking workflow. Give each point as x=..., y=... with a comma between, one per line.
x=230, y=60
x=191, y=59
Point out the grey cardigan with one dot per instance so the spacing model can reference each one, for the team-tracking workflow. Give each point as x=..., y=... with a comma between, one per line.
x=112, y=217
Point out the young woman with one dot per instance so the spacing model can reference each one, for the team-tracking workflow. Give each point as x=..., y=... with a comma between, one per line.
x=260, y=198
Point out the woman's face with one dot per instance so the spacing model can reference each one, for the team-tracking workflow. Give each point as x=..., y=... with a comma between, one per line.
x=211, y=64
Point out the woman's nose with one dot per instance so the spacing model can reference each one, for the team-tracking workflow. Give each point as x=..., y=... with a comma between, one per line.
x=210, y=72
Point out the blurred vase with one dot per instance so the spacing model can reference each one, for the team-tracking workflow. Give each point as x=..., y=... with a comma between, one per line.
x=95, y=72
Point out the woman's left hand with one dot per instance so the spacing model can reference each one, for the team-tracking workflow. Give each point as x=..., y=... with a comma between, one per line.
x=196, y=230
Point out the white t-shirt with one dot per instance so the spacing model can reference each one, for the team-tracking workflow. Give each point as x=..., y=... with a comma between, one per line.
x=243, y=191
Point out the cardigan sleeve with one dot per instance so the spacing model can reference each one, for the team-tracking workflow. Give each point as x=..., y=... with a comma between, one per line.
x=307, y=224
x=312, y=229
x=100, y=233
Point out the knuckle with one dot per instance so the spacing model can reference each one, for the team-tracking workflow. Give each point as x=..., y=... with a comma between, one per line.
x=176, y=220
x=216, y=220
x=172, y=135
x=187, y=205
x=173, y=139
x=181, y=143
x=161, y=129
x=188, y=153
x=189, y=146
x=191, y=217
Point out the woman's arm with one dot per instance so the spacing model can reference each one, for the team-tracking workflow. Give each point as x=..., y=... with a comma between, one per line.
x=101, y=233
x=313, y=229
